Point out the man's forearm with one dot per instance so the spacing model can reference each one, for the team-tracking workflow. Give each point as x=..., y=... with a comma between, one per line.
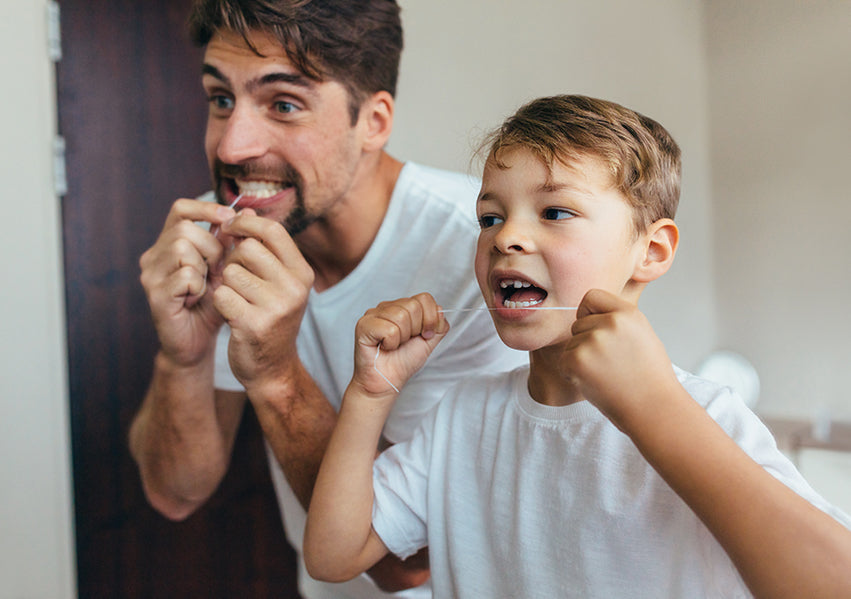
x=181, y=438
x=297, y=421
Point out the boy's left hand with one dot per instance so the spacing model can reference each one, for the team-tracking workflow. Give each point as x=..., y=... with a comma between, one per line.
x=615, y=358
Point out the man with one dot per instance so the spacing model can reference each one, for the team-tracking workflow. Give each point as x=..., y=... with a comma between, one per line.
x=324, y=224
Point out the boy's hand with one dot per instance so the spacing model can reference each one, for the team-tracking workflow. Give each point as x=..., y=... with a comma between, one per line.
x=616, y=360
x=405, y=332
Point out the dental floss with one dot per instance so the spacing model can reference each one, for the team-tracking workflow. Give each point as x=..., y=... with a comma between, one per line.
x=448, y=310
x=216, y=235
x=381, y=374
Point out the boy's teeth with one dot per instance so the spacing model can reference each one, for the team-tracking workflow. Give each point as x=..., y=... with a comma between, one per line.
x=514, y=283
x=515, y=305
x=259, y=189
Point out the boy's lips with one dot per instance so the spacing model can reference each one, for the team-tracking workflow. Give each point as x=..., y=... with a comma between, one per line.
x=513, y=291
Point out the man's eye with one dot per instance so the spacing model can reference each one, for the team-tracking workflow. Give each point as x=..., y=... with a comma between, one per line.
x=220, y=102
x=489, y=220
x=557, y=214
x=285, y=107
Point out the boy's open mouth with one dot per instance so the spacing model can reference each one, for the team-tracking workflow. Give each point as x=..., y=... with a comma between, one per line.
x=517, y=293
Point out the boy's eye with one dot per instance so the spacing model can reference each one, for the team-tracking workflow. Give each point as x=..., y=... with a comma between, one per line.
x=557, y=214
x=489, y=220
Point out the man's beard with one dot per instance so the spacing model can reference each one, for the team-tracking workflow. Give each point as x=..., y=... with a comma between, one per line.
x=298, y=218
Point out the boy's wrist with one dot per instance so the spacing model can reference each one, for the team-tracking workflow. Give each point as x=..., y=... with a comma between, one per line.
x=357, y=401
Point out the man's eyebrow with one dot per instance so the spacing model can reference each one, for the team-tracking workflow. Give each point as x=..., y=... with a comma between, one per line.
x=208, y=69
x=268, y=79
x=281, y=77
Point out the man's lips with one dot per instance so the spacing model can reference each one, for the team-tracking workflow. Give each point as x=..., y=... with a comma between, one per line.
x=256, y=194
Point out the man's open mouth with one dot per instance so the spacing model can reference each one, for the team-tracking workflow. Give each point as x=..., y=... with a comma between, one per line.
x=516, y=294
x=259, y=189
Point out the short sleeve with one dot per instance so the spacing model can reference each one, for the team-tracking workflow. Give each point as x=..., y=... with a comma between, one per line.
x=400, y=485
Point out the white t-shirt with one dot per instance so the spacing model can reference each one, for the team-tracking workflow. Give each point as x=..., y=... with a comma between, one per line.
x=426, y=243
x=519, y=499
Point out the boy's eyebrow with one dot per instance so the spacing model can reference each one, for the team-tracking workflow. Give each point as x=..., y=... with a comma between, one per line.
x=268, y=79
x=551, y=186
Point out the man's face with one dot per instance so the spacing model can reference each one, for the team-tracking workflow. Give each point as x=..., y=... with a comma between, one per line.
x=282, y=141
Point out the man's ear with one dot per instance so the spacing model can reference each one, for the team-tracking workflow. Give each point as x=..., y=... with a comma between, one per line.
x=377, y=115
x=660, y=245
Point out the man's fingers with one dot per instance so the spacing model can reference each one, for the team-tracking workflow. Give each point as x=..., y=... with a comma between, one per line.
x=197, y=211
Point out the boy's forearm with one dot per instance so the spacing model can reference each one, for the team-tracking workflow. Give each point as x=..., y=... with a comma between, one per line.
x=339, y=540
x=781, y=544
x=177, y=438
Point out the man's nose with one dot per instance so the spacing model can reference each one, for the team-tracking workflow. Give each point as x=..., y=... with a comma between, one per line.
x=244, y=136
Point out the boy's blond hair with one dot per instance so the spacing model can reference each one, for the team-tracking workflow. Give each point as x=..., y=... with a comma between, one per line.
x=642, y=157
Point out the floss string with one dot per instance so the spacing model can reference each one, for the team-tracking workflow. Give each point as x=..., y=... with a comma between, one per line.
x=216, y=235
x=449, y=310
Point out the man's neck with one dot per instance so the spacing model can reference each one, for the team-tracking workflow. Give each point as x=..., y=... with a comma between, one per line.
x=337, y=243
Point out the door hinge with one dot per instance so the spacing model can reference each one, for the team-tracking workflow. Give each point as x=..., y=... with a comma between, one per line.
x=60, y=180
x=54, y=34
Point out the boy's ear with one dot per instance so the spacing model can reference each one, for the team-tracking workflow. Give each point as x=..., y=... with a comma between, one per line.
x=660, y=244
x=377, y=115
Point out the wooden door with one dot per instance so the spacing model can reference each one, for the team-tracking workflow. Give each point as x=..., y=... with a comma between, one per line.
x=132, y=112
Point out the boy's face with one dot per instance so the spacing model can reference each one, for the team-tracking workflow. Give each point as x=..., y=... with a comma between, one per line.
x=547, y=237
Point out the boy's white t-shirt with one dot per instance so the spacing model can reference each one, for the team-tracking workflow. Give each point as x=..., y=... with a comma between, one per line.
x=426, y=243
x=518, y=499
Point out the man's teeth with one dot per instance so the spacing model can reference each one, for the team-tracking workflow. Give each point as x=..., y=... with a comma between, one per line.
x=259, y=189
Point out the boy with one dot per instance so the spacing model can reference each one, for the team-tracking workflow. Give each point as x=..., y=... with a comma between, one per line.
x=599, y=470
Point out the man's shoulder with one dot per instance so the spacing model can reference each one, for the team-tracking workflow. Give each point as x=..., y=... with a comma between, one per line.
x=437, y=183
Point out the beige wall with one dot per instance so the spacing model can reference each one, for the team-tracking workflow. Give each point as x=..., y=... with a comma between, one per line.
x=780, y=98
x=469, y=64
x=36, y=547
x=765, y=229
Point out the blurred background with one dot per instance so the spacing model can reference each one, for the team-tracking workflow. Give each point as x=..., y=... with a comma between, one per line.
x=756, y=93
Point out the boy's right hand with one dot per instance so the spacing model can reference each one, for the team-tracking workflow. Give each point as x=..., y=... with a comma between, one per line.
x=394, y=340
x=175, y=272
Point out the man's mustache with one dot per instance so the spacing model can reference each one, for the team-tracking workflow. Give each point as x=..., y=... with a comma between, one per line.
x=285, y=174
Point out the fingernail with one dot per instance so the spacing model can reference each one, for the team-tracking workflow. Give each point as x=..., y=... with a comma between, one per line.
x=224, y=212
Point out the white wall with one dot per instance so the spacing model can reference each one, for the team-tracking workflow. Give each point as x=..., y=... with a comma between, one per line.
x=36, y=547
x=467, y=65
x=780, y=97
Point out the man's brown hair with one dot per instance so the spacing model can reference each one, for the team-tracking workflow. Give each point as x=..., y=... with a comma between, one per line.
x=357, y=43
x=642, y=157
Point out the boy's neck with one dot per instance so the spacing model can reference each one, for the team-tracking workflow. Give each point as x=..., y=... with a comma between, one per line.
x=547, y=385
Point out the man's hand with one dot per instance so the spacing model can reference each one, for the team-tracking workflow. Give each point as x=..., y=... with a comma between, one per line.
x=263, y=295
x=615, y=358
x=175, y=279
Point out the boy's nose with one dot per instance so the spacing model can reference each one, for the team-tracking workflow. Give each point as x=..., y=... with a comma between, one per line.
x=243, y=138
x=512, y=238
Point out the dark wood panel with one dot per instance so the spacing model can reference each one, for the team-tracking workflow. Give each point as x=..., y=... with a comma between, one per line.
x=132, y=112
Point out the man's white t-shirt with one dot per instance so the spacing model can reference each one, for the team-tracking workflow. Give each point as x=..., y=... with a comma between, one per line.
x=426, y=243
x=519, y=499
